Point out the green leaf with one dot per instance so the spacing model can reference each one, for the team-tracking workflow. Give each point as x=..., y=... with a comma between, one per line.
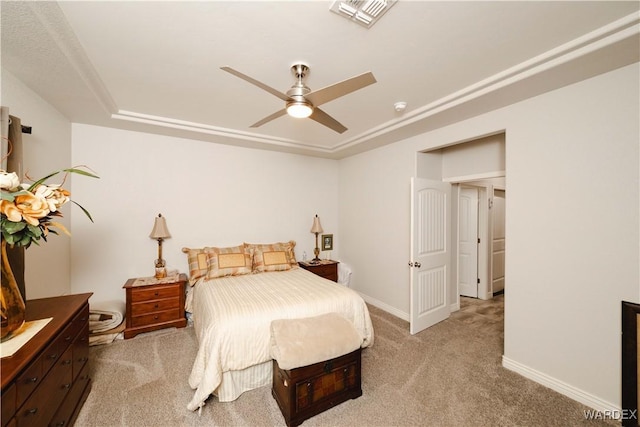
x=86, y=212
x=13, y=227
x=5, y=195
x=81, y=172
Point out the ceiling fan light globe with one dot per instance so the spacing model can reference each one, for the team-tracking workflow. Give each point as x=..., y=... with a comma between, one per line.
x=299, y=110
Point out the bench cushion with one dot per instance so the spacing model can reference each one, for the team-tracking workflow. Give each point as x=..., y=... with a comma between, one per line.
x=303, y=342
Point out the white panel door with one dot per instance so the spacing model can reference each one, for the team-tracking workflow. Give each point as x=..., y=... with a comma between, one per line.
x=430, y=252
x=468, y=242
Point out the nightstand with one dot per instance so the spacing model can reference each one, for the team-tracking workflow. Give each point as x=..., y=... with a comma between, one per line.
x=324, y=268
x=154, y=304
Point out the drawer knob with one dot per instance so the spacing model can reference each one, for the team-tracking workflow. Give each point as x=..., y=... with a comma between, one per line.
x=155, y=317
x=155, y=306
x=32, y=380
x=67, y=362
x=157, y=293
x=52, y=356
x=60, y=423
x=32, y=411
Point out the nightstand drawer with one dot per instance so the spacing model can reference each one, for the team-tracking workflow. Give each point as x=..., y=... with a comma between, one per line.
x=153, y=318
x=156, y=292
x=326, y=269
x=141, y=308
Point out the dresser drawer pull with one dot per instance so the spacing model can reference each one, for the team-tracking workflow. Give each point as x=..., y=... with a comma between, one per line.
x=31, y=380
x=66, y=386
x=60, y=423
x=156, y=306
x=67, y=362
x=84, y=377
x=83, y=359
x=68, y=338
x=52, y=356
x=155, y=317
x=31, y=411
x=157, y=293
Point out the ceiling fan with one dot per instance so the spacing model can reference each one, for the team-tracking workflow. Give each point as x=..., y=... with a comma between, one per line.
x=301, y=102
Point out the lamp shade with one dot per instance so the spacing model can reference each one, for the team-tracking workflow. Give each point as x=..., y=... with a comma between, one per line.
x=160, y=230
x=316, y=227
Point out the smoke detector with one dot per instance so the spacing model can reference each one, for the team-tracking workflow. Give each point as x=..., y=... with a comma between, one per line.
x=400, y=106
x=364, y=12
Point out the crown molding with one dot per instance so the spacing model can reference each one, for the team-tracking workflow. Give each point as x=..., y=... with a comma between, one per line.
x=55, y=23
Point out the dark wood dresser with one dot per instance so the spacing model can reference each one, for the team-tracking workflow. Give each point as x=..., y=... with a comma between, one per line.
x=324, y=268
x=154, y=306
x=47, y=380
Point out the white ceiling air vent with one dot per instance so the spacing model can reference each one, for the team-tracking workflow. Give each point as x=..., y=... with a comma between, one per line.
x=364, y=12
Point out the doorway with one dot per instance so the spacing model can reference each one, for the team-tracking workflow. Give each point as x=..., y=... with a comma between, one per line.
x=481, y=238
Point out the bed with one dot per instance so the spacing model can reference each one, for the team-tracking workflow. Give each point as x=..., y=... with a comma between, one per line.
x=232, y=314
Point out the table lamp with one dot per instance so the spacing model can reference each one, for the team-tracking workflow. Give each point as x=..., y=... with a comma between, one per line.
x=159, y=233
x=317, y=229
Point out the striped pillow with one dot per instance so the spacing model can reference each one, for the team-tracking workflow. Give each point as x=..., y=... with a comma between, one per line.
x=197, y=260
x=232, y=261
x=273, y=256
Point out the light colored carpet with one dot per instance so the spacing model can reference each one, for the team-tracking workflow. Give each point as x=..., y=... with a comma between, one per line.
x=447, y=375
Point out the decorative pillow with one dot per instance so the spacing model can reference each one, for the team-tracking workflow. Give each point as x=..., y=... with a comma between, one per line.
x=273, y=256
x=197, y=260
x=232, y=261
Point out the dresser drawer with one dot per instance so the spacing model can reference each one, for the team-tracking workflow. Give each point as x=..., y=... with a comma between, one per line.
x=153, y=318
x=43, y=403
x=80, y=350
x=142, y=308
x=156, y=292
x=63, y=416
x=28, y=381
x=8, y=404
x=59, y=346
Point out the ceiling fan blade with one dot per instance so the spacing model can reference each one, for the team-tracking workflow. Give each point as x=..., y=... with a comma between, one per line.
x=329, y=93
x=324, y=119
x=269, y=118
x=255, y=82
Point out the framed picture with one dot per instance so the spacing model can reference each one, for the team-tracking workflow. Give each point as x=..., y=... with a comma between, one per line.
x=630, y=340
x=327, y=242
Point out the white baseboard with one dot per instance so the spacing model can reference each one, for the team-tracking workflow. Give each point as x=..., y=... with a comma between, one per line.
x=392, y=310
x=382, y=306
x=561, y=387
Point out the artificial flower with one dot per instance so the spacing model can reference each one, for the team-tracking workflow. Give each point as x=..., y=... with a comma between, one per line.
x=27, y=210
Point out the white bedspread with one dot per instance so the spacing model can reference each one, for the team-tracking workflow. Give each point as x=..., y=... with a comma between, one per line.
x=232, y=318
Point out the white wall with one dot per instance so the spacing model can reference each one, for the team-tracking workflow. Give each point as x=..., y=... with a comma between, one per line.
x=572, y=227
x=474, y=158
x=210, y=194
x=46, y=150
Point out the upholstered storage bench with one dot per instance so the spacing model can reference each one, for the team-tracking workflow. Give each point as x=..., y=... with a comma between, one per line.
x=317, y=365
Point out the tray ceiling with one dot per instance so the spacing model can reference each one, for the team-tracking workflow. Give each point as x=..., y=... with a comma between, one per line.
x=155, y=66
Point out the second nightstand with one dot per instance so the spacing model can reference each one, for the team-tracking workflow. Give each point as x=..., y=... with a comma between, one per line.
x=154, y=304
x=325, y=268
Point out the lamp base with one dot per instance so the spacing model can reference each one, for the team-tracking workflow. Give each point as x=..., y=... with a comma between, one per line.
x=161, y=273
